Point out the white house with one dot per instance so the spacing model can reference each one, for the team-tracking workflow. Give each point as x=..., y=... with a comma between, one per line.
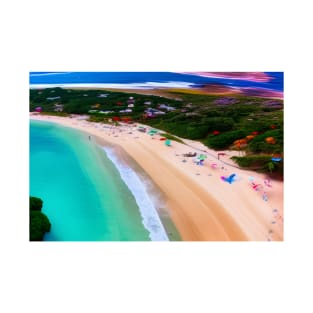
x=53, y=98
x=166, y=107
x=126, y=111
x=106, y=112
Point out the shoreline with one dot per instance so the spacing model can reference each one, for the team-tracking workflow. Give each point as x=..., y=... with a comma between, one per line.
x=150, y=218
x=201, y=205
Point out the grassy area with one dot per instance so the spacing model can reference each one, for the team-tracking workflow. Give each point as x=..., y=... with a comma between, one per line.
x=55, y=114
x=171, y=137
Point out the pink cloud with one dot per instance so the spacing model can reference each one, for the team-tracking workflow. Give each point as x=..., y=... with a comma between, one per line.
x=251, y=76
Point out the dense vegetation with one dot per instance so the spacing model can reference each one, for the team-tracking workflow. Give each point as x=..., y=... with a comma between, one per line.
x=250, y=124
x=39, y=223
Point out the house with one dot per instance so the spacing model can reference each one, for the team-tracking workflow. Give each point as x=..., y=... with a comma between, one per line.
x=189, y=106
x=92, y=111
x=151, y=111
x=53, y=98
x=147, y=103
x=106, y=112
x=166, y=107
x=126, y=111
x=103, y=95
x=95, y=106
x=131, y=105
x=58, y=107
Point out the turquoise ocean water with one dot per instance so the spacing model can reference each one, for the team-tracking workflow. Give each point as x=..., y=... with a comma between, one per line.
x=84, y=194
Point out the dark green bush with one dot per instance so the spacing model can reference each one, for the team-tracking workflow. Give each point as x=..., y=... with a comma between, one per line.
x=255, y=161
x=39, y=223
x=35, y=204
x=258, y=144
x=38, y=226
x=224, y=140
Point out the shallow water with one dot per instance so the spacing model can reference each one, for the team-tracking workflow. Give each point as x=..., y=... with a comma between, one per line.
x=83, y=193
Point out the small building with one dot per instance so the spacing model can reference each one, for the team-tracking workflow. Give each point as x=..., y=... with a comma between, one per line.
x=38, y=109
x=189, y=106
x=147, y=103
x=151, y=111
x=58, y=107
x=53, y=98
x=92, y=111
x=106, y=112
x=131, y=105
x=103, y=95
x=166, y=107
x=126, y=111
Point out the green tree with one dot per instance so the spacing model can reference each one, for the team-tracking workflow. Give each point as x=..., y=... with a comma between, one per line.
x=270, y=166
x=39, y=223
x=38, y=226
x=35, y=204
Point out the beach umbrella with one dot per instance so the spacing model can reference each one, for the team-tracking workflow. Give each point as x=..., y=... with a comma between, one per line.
x=214, y=165
x=251, y=178
x=152, y=132
x=276, y=159
x=229, y=179
x=249, y=137
x=168, y=142
x=240, y=142
x=270, y=140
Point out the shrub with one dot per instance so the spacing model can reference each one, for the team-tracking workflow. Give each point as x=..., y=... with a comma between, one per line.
x=39, y=224
x=35, y=204
x=255, y=161
x=224, y=140
x=258, y=143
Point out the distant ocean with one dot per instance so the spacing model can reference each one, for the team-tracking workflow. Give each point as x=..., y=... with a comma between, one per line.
x=274, y=81
x=89, y=194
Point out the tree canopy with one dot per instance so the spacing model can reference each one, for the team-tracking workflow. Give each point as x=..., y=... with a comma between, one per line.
x=39, y=223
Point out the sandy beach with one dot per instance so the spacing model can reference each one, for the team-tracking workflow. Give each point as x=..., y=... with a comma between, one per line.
x=202, y=206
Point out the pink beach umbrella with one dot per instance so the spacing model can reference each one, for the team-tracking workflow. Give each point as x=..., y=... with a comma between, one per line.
x=214, y=165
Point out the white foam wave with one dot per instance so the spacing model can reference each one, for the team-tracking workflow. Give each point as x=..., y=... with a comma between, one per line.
x=150, y=217
x=34, y=74
x=146, y=85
